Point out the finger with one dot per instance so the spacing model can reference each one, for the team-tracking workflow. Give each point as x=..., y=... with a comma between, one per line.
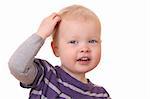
x=57, y=18
x=53, y=15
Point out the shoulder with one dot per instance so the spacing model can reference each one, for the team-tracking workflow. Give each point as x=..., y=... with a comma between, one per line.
x=44, y=65
x=101, y=89
x=42, y=62
x=39, y=60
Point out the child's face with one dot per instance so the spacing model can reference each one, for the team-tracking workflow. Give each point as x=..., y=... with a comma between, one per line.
x=79, y=45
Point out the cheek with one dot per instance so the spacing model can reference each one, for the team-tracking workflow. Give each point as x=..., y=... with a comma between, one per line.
x=97, y=54
x=67, y=59
x=67, y=54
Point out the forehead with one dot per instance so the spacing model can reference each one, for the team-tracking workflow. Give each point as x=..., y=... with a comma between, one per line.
x=79, y=28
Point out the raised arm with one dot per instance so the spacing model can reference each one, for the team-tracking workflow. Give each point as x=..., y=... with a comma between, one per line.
x=21, y=63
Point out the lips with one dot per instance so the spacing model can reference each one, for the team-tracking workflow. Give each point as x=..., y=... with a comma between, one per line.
x=84, y=59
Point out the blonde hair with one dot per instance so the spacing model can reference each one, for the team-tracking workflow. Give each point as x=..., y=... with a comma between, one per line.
x=75, y=12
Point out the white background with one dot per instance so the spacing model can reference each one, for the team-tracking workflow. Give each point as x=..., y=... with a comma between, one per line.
x=125, y=66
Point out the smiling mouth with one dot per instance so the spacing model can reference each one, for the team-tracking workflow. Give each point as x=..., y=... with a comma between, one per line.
x=84, y=59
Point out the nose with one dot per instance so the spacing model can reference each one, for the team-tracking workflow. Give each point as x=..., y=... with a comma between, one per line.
x=85, y=49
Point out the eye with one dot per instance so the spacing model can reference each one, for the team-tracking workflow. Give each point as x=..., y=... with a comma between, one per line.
x=93, y=41
x=73, y=42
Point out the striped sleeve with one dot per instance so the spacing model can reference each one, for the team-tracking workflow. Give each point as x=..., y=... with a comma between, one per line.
x=42, y=70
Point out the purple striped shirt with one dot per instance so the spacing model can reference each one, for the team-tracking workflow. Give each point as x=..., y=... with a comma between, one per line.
x=54, y=83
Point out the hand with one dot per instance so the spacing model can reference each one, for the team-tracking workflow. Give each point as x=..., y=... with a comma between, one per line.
x=48, y=24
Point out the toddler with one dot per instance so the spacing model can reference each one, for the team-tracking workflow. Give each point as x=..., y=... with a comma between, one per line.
x=76, y=33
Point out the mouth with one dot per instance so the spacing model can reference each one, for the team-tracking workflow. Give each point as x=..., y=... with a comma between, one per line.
x=83, y=59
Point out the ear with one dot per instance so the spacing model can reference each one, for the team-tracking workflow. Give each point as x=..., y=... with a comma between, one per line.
x=55, y=49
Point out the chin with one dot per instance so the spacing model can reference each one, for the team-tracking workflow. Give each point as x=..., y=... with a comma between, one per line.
x=85, y=70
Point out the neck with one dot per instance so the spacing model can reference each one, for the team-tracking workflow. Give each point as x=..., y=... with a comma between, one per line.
x=79, y=76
